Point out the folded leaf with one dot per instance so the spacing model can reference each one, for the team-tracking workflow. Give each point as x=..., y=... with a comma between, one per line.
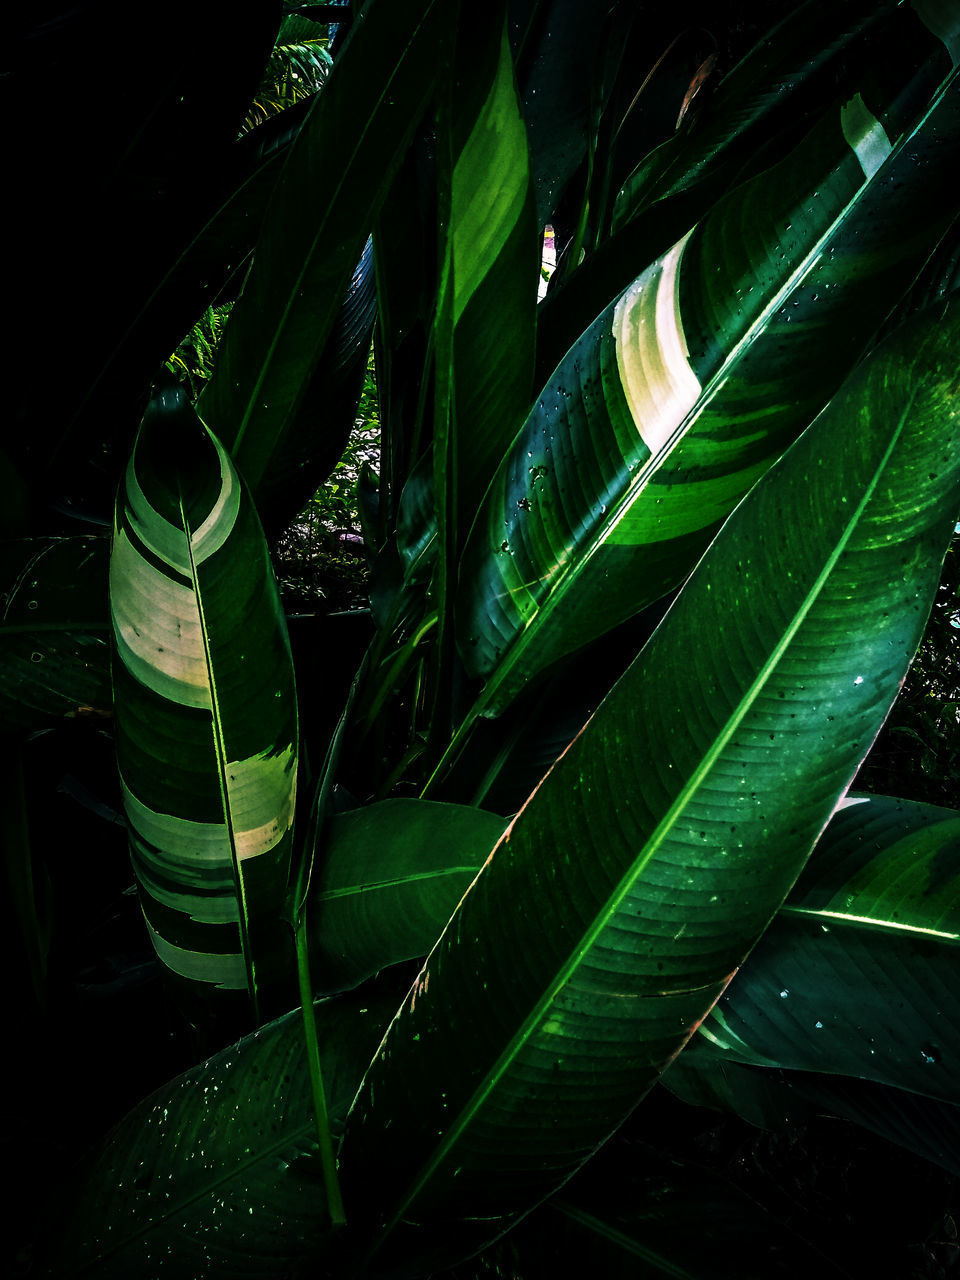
x=858, y=973
x=648, y=862
x=204, y=699
x=390, y=878
x=687, y=387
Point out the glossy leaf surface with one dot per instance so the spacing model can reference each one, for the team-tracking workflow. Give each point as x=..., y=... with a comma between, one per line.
x=643, y=869
x=204, y=698
x=391, y=876
x=321, y=214
x=216, y=1173
x=687, y=387
x=858, y=974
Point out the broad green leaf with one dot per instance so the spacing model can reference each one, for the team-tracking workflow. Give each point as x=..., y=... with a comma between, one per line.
x=216, y=1174
x=687, y=387
x=643, y=869
x=322, y=211
x=54, y=633
x=391, y=876
x=204, y=695
x=858, y=973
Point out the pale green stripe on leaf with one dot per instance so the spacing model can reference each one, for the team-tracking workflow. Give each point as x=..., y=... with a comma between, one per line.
x=262, y=793
x=225, y=971
x=482, y=216
x=652, y=356
x=157, y=627
x=167, y=541
x=262, y=796
x=865, y=134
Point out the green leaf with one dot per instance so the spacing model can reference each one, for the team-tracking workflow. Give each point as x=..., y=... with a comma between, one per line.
x=391, y=876
x=205, y=702
x=216, y=1173
x=496, y=258
x=858, y=973
x=688, y=387
x=643, y=869
x=322, y=211
x=54, y=633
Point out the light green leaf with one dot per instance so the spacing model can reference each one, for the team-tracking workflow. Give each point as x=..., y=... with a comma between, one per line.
x=687, y=387
x=391, y=876
x=648, y=862
x=205, y=699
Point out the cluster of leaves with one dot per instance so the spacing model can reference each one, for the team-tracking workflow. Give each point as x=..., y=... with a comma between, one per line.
x=569, y=813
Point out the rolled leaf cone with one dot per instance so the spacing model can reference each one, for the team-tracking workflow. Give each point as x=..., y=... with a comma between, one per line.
x=205, y=702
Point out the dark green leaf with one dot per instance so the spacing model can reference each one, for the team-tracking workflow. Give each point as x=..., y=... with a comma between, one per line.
x=322, y=211
x=391, y=876
x=858, y=973
x=54, y=634
x=216, y=1174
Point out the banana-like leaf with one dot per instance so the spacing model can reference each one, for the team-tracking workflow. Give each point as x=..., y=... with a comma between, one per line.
x=495, y=258
x=858, y=973
x=322, y=212
x=205, y=702
x=687, y=387
x=216, y=1174
x=391, y=876
x=54, y=634
x=640, y=873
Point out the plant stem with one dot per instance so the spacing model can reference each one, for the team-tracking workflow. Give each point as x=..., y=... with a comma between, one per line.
x=328, y=1161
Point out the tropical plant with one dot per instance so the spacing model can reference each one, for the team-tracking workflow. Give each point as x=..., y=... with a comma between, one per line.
x=649, y=563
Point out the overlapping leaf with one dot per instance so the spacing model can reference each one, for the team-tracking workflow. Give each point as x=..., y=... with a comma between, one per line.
x=687, y=387
x=204, y=699
x=643, y=869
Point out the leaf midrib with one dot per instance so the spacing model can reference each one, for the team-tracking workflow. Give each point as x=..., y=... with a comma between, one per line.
x=372, y=886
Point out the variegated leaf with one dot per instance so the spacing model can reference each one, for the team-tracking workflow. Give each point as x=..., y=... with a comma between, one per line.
x=204, y=696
